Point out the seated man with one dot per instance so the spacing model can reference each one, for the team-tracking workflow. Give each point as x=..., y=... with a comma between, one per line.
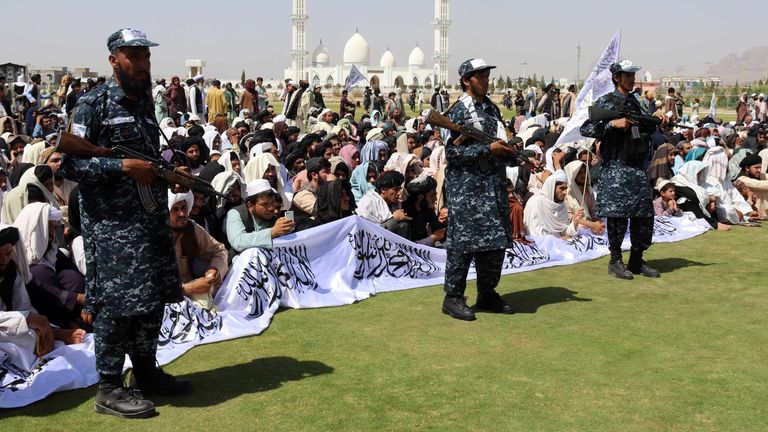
x=304, y=201
x=546, y=213
x=752, y=177
x=420, y=205
x=202, y=260
x=666, y=203
x=19, y=322
x=383, y=206
x=57, y=289
x=253, y=224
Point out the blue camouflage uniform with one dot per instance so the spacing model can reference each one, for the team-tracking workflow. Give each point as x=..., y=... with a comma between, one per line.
x=625, y=190
x=478, y=212
x=129, y=250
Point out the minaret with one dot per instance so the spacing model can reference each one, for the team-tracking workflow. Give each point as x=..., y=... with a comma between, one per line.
x=441, y=23
x=299, y=46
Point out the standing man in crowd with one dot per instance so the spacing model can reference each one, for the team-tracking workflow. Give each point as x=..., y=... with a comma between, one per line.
x=625, y=191
x=263, y=97
x=197, y=97
x=132, y=271
x=478, y=213
x=215, y=101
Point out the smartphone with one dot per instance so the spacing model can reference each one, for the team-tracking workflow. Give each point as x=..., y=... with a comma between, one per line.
x=289, y=215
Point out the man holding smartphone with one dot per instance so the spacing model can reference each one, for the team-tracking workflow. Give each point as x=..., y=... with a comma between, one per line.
x=253, y=223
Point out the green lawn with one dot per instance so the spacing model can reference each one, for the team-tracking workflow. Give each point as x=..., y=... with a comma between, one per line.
x=586, y=352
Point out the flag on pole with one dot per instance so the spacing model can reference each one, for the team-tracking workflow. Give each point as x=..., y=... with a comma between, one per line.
x=354, y=77
x=597, y=84
x=712, y=109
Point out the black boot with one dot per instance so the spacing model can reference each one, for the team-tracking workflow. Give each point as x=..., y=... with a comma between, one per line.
x=112, y=398
x=616, y=269
x=153, y=381
x=638, y=266
x=491, y=301
x=457, y=308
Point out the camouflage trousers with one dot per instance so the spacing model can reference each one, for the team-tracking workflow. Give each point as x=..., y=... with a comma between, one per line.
x=487, y=265
x=117, y=336
x=640, y=235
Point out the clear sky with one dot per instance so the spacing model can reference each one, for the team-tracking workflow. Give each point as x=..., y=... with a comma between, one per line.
x=255, y=35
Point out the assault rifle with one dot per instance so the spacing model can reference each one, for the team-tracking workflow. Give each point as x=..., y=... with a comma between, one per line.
x=466, y=132
x=597, y=114
x=72, y=144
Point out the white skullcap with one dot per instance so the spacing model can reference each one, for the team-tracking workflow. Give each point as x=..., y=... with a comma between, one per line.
x=174, y=198
x=257, y=186
x=324, y=112
x=279, y=118
x=560, y=176
x=54, y=214
x=199, y=77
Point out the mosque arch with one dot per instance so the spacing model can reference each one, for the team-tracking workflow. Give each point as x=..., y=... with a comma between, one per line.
x=416, y=81
x=315, y=81
x=374, y=81
x=329, y=81
x=428, y=82
x=399, y=82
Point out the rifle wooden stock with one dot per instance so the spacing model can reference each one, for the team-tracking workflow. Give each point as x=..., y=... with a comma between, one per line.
x=434, y=118
x=70, y=143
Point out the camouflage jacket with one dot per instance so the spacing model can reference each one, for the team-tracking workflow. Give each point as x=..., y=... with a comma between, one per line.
x=478, y=212
x=130, y=260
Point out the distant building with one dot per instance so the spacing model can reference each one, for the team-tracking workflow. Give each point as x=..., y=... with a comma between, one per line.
x=679, y=82
x=85, y=73
x=194, y=67
x=49, y=77
x=11, y=71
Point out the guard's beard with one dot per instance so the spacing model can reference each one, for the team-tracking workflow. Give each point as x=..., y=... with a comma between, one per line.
x=134, y=86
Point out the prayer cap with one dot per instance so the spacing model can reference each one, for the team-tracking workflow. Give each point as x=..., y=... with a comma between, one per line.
x=257, y=186
x=128, y=37
x=188, y=197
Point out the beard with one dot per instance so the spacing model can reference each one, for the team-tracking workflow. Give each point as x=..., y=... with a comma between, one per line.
x=132, y=85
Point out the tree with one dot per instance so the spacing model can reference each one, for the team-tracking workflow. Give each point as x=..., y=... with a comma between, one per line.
x=242, y=78
x=508, y=82
x=500, y=82
x=492, y=88
x=552, y=80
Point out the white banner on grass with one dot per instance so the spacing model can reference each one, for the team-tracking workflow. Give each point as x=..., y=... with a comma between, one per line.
x=332, y=265
x=597, y=84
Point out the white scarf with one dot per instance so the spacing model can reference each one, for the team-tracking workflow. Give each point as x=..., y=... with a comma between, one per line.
x=32, y=223
x=373, y=208
x=542, y=215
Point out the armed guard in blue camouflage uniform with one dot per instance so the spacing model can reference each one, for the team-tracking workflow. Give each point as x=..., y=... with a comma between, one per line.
x=478, y=215
x=625, y=190
x=130, y=260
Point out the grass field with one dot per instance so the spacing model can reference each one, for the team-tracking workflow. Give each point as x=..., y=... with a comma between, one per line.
x=585, y=352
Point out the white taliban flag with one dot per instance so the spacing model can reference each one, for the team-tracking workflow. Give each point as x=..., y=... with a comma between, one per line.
x=712, y=108
x=597, y=84
x=354, y=77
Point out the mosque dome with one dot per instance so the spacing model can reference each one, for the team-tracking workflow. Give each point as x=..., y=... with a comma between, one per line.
x=357, y=51
x=416, y=58
x=320, y=55
x=387, y=59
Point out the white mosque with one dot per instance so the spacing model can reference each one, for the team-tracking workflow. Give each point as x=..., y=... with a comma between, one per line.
x=386, y=74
